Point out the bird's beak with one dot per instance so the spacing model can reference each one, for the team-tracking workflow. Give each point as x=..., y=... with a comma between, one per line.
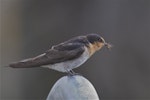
x=109, y=46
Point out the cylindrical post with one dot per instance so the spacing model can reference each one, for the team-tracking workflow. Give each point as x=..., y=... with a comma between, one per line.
x=74, y=87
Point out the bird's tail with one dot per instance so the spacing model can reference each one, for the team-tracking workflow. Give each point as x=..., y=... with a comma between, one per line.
x=23, y=64
x=28, y=63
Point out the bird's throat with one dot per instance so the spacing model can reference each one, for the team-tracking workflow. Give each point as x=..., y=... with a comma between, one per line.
x=94, y=47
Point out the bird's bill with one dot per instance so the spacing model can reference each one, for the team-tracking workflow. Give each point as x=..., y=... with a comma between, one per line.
x=109, y=46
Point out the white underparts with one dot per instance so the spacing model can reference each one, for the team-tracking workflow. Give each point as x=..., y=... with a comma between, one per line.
x=70, y=64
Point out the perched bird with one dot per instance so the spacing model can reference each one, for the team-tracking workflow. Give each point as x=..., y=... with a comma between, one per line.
x=67, y=55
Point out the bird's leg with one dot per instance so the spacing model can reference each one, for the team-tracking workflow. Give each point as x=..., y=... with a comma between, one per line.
x=74, y=73
x=71, y=72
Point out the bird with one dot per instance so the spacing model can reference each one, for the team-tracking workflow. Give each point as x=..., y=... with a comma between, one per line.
x=67, y=55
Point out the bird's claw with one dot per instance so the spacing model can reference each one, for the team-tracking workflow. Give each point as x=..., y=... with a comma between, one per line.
x=72, y=73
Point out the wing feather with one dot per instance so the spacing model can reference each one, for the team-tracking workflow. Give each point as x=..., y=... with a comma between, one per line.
x=57, y=54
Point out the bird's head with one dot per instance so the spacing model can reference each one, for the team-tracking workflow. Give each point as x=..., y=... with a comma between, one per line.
x=97, y=42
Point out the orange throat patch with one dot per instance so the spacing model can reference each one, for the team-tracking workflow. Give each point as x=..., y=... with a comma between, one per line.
x=92, y=48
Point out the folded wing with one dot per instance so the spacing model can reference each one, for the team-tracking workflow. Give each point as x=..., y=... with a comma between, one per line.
x=57, y=54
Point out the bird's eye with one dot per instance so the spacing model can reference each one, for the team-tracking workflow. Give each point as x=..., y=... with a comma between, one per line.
x=100, y=40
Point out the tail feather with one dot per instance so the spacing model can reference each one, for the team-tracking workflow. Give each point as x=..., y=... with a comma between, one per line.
x=29, y=63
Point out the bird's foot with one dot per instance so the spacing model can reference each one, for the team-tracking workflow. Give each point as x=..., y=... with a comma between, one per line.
x=72, y=73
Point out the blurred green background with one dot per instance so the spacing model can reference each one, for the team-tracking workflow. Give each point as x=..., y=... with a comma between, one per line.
x=30, y=27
